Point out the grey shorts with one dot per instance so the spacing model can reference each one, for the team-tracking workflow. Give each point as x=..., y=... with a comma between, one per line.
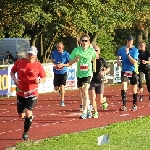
x=97, y=87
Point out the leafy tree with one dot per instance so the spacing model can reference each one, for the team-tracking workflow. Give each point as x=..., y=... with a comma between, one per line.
x=48, y=21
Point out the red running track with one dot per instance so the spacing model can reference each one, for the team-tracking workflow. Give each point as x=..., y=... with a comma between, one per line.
x=50, y=119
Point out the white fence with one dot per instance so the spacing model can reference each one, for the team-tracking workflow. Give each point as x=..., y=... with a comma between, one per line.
x=7, y=86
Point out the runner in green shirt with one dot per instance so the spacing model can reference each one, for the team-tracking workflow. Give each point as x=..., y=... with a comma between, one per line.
x=84, y=65
x=83, y=56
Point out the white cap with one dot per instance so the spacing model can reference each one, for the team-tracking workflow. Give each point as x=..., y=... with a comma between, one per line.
x=32, y=50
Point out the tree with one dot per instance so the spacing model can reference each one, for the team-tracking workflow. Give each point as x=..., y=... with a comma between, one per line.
x=49, y=21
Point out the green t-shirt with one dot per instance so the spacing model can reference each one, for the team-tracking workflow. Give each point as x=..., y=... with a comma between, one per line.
x=84, y=65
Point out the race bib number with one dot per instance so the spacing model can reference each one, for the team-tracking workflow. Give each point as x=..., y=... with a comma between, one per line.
x=29, y=94
x=84, y=67
x=128, y=74
x=58, y=68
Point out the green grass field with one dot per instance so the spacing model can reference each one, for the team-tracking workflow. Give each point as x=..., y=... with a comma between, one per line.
x=130, y=135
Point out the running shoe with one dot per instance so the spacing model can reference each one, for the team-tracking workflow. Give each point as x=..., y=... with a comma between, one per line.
x=25, y=136
x=123, y=108
x=95, y=115
x=134, y=108
x=104, y=105
x=83, y=116
x=141, y=98
x=62, y=103
x=89, y=114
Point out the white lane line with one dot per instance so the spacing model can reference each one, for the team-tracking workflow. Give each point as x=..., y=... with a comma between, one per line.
x=123, y=115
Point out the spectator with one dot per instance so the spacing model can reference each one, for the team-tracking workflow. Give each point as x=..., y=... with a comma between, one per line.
x=16, y=55
x=9, y=56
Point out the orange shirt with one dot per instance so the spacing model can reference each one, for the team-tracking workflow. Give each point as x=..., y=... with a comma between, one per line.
x=27, y=73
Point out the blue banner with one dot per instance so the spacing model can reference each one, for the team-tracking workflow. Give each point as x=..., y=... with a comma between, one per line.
x=4, y=82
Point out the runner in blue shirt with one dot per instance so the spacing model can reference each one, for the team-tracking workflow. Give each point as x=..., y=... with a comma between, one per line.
x=60, y=59
x=129, y=56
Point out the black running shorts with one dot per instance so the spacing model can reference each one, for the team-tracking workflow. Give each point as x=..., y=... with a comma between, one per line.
x=25, y=103
x=60, y=79
x=82, y=81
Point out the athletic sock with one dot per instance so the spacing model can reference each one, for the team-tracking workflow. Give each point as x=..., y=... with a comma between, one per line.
x=123, y=94
x=135, y=99
x=27, y=123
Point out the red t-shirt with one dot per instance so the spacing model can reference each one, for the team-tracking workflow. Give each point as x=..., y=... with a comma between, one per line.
x=27, y=72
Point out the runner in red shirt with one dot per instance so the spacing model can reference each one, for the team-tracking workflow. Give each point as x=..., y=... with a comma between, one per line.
x=29, y=74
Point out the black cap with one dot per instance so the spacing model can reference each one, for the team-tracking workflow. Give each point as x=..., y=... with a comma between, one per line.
x=129, y=37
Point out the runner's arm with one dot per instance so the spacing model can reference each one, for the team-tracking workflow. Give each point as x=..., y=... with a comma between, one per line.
x=73, y=61
x=132, y=60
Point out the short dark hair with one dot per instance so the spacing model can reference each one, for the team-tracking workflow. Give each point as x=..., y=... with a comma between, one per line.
x=85, y=35
x=7, y=52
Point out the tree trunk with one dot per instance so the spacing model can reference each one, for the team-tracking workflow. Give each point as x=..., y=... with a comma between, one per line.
x=146, y=37
x=47, y=52
x=138, y=36
x=41, y=48
x=94, y=38
x=33, y=40
x=139, y=32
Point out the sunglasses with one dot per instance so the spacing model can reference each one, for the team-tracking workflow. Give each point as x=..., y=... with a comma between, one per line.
x=84, y=40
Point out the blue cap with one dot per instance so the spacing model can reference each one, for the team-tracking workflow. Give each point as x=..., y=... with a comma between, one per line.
x=129, y=37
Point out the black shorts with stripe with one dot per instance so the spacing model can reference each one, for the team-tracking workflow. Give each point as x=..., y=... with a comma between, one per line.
x=25, y=103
